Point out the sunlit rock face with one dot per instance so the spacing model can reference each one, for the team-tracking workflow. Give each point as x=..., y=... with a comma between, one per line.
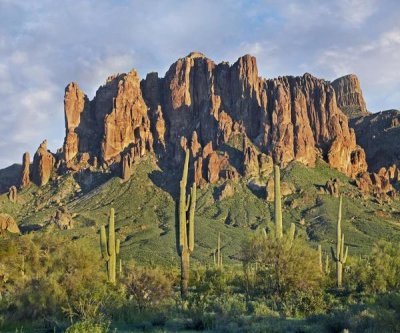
x=202, y=105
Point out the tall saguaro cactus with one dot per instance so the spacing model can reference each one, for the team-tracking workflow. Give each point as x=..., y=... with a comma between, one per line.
x=341, y=253
x=110, y=247
x=277, y=202
x=218, y=253
x=187, y=207
x=320, y=258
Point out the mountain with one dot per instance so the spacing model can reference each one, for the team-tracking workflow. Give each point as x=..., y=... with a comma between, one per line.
x=125, y=147
x=349, y=96
x=379, y=135
x=200, y=105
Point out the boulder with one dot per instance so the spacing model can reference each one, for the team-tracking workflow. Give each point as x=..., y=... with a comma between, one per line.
x=7, y=223
x=12, y=194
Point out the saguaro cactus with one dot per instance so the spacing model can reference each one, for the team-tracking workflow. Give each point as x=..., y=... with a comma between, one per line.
x=218, y=253
x=320, y=258
x=341, y=253
x=110, y=247
x=187, y=207
x=277, y=202
x=278, y=209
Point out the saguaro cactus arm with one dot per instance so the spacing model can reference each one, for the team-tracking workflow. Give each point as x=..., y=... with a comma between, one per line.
x=192, y=210
x=103, y=243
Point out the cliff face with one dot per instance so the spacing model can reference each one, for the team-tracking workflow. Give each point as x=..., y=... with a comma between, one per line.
x=201, y=105
x=349, y=96
x=379, y=135
x=289, y=118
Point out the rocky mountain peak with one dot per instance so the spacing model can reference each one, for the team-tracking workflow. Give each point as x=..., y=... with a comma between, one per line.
x=349, y=96
x=200, y=104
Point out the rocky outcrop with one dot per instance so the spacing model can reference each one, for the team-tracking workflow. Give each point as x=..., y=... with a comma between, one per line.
x=128, y=121
x=7, y=223
x=62, y=219
x=349, y=96
x=203, y=106
x=226, y=191
x=255, y=164
x=126, y=167
x=43, y=164
x=286, y=189
x=25, y=175
x=379, y=135
x=332, y=187
x=12, y=194
x=290, y=118
x=75, y=102
x=379, y=183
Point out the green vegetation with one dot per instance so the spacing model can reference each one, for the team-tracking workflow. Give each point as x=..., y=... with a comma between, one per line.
x=56, y=280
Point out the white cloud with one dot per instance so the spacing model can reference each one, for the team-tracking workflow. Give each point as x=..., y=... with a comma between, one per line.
x=357, y=11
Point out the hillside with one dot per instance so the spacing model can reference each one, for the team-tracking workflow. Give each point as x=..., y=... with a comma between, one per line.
x=145, y=212
x=124, y=149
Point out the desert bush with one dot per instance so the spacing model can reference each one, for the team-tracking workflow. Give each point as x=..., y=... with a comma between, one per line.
x=54, y=275
x=379, y=272
x=146, y=287
x=284, y=272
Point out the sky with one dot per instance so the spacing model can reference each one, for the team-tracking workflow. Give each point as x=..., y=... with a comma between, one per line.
x=46, y=44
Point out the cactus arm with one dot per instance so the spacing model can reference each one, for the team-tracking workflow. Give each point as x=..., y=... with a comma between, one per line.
x=191, y=218
x=117, y=246
x=188, y=203
x=345, y=255
x=185, y=169
x=182, y=217
x=103, y=243
x=341, y=255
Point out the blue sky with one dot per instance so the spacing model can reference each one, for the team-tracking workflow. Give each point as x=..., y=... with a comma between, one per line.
x=46, y=44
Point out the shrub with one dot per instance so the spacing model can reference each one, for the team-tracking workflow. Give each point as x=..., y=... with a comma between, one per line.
x=378, y=273
x=283, y=271
x=146, y=287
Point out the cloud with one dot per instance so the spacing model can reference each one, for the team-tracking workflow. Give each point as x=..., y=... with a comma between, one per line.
x=46, y=44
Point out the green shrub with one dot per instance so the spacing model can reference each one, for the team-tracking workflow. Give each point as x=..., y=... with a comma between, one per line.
x=285, y=273
x=378, y=273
